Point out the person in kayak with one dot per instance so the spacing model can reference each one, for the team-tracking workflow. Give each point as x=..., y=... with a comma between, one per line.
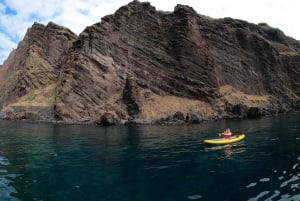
x=226, y=134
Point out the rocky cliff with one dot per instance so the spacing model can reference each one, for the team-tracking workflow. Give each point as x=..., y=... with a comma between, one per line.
x=29, y=76
x=143, y=65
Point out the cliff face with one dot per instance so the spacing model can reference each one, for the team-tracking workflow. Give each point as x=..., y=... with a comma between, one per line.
x=132, y=55
x=140, y=63
x=29, y=76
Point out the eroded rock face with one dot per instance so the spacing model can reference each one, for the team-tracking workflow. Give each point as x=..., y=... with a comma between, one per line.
x=34, y=65
x=137, y=48
x=140, y=63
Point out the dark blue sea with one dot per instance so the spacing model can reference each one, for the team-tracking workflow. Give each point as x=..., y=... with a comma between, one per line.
x=49, y=162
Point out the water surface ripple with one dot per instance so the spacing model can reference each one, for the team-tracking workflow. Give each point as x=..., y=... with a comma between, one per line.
x=40, y=161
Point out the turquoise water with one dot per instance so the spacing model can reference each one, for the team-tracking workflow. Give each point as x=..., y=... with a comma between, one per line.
x=46, y=162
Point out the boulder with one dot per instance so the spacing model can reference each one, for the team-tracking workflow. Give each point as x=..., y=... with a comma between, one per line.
x=107, y=119
x=178, y=116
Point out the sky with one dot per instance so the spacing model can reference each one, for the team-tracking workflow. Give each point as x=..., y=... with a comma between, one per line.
x=16, y=16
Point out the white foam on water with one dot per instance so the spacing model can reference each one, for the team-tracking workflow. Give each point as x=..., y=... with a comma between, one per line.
x=4, y=161
x=264, y=180
x=295, y=186
x=194, y=197
x=287, y=197
x=275, y=194
x=6, y=190
x=288, y=181
x=3, y=181
x=294, y=178
x=251, y=185
x=260, y=195
x=294, y=166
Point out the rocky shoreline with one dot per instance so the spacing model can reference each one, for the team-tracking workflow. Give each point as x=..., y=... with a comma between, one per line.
x=45, y=114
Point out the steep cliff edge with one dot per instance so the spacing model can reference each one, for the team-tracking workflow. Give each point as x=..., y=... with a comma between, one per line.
x=144, y=65
x=29, y=76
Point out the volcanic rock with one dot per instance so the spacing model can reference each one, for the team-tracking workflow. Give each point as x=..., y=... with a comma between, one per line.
x=142, y=65
x=30, y=74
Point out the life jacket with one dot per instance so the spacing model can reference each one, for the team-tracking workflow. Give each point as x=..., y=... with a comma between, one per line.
x=227, y=135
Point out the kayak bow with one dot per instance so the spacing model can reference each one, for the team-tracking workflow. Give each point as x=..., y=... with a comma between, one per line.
x=234, y=138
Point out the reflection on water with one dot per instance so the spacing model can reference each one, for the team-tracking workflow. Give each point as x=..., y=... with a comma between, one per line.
x=74, y=163
x=6, y=189
x=286, y=188
x=229, y=150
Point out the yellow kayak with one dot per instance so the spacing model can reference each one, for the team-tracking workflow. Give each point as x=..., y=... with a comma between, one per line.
x=234, y=138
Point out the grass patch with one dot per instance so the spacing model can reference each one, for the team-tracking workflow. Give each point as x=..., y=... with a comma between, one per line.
x=168, y=105
x=234, y=96
x=39, y=97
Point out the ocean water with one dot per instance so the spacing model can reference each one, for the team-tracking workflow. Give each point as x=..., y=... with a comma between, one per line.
x=48, y=162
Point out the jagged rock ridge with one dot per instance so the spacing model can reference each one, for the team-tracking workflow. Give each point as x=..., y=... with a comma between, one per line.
x=29, y=76
x=140, y=64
